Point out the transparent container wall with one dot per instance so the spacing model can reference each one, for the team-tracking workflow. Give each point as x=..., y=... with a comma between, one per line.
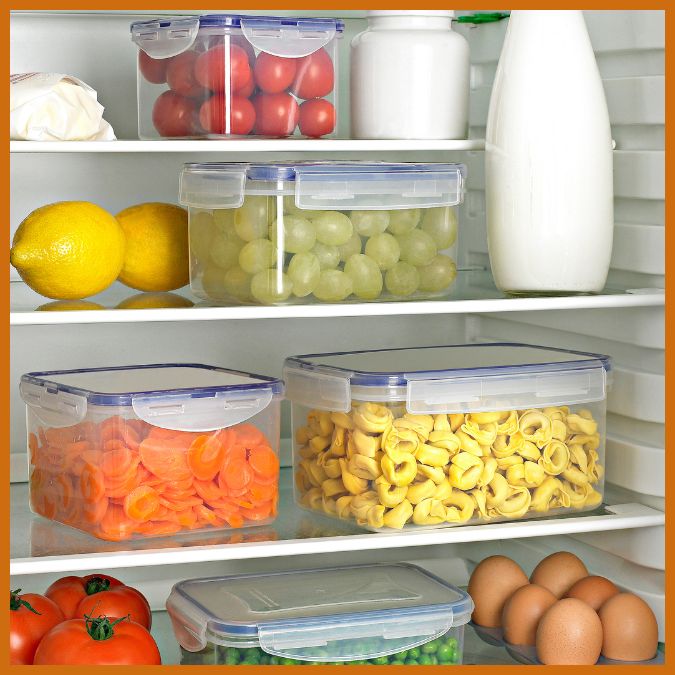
x=445, y=650
x=117, y=477
x=384, y=468
x=268, y=251
x=223, y=86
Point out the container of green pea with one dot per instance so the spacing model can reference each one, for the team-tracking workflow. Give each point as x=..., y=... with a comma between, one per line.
x=307, y=232
x=388, y=614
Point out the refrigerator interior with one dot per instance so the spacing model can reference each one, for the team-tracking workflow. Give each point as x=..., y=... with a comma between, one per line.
x=626, y=322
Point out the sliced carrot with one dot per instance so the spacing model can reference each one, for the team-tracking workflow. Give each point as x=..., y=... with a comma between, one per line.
x=205, y=456
x=180, y=505
x=232, y=519
x=236, y=452
x=64, y=492
x=93, y=512
x=259, y=512
x=186, y=518
x=262, y=493
x=208, y=490
x=243, y=503
x=131, y=437
x=92, y=483
x=120, y=488
x=208, y=515
x=115, y=525
x=164, y=459
x=141, y=503
x=235, y=474
x=249, y=436
x=33, y=445
x=185, y=485
x=264, y=461
x=158, y=528
x=162, y=434
x=116, y=462
x=59, y=436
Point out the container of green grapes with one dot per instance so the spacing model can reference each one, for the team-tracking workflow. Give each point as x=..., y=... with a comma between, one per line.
x=383, y=614
x=278, y=234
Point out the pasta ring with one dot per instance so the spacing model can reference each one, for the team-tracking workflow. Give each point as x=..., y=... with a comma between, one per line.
x=320, y=422
x=503, y=463
x=528, y=450
x=536, y=427
x=456, y=421
x=431, y=455
x=389, y=495
x=497, y=491
x=343, y=506
x=468, y=444
x=489, y=470
x=593, y=497
x=436, y=473
x=328, y=505
x=333, y=487
x=302, y=435
x=528, y=474
x=365, y=444
x=399, y=441
x=429, y=512
x=555, y=457
x=542, y=495
x=338, y=445
x=575, y=493
x=364, y=467
x=320, y=443
x=462, y=501
x=375, y=516
x=589, y=442
x=483, y=417
x=443, y=490
x=484, y=434
x=421, y=424
x=465, y=471
x=445, y=439
x=480, y=498
x=302, y=481
x=441, y=423
x=558, y=430
x=372, y=418
x=306, y=452
x=361, y=504
x=508, y=425
x=575, y=476
x=516, y=504
x=399, y=473
x=556, y=413
x=314, y=472
x=582, y=424
x=420, y=491
x=353, y=483
x=397, y=517
x=578, y=456
x=505, y=446
x=342, y=420
x=314, y=499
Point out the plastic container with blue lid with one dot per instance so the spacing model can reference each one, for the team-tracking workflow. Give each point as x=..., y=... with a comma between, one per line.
x=379, y=614
x=153, y=450
x=322, y=231
x=448, y=435
x=223, y=75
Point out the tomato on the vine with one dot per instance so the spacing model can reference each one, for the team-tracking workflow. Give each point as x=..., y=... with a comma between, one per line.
x=97, y=642
x=274, y=74
x=153, y=70
x=317, y=118
x=211, y=68
x=175, y=115
x=31, y=616
x=275, y=114
x=214, y=112
x=180, y=75
x=315, y=76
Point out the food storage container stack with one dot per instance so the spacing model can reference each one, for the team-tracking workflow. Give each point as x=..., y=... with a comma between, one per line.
x=378, y=614
x=322, y=232
x=143, y=451
x=448, y=435
x=230, y=75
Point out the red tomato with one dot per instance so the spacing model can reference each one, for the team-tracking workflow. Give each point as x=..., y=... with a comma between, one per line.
x=99, y=594
x=175, y=115
x=315, y=76
x=180, y=75
x=97, y=642
x=317, y=117
x=153, y=70
x=212, y=65
x=31, y=616
x=274, y=74
x=275, y=114
x=242, y=42
x=247, y=90
x=212, y=115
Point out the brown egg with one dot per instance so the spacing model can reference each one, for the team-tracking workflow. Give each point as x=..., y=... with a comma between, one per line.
x=594, y=591
x=492, y=583
x=522, y=613
x=559, y=572
x=630, y=629
x=569, y=633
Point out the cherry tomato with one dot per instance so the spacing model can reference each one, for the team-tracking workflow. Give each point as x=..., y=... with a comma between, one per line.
x=317, y=117
x=274, y=74
x=242, y=42
x=275, y=114
x=247, y=90
x=175, y=115
x=210, y=68
x=180, y=75
x=31, y=616
x=315, y=76
x=97, y=641
x=99, y=594
x=153, y=70
x=212, y=115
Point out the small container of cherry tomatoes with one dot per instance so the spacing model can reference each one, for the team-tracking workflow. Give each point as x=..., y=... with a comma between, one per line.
x=223, y=75
x=153, y=450
x=307, y=232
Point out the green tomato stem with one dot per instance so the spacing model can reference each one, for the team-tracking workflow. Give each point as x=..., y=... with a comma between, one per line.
x=16, y=603
x=101, y=628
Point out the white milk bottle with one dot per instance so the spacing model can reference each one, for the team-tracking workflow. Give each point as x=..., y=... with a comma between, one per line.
x=549, y=188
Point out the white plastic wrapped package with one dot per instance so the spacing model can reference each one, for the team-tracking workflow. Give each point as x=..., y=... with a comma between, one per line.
x=55, y=107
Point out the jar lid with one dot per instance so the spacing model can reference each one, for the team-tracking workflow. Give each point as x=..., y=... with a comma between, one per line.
x=444, y=13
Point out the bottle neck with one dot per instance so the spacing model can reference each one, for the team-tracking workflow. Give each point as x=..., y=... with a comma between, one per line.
x=408, y=22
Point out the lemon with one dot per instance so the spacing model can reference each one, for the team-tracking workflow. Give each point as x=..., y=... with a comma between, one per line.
x=68, y=250
x=156, y=257
x=69, y=306
x=154, y=301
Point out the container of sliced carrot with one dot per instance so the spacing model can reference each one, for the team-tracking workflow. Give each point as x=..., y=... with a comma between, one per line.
x=153, y=450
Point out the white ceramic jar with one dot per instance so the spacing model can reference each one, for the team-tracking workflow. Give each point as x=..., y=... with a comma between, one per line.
x=409, y=77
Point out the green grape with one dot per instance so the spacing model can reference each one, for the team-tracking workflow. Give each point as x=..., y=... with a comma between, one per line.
x=257, y=255
x=237, y=283
x=384, y=250
x=253, y=218
x=304, y=271
x=270, y=286
x=417, y=247
x=352, y=247
x=402, y=221
x=441, y=225
x=291, y=208
x=370, y=223
x=333, y=286
x=333, y=228
x=328, y=256
x=225, y=250
x=402, y=279
x=299, y=235
x=438, y=274
x=213, y=281
x=224, y=220
x=365, y=275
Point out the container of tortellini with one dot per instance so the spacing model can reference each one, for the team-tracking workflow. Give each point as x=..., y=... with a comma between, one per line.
x=448, y=435
x=381, y=614
x=278, y=234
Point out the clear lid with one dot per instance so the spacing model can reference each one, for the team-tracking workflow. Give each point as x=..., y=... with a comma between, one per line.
x=326, y=185
x=186, y=397
x=449, y=379
x=279, y=35
x=290, y=614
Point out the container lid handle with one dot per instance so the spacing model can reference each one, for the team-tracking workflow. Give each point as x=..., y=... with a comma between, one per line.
x=161, y=39
x=303, y=37
x=54, y=408
x=212, y=188
x=322, y=388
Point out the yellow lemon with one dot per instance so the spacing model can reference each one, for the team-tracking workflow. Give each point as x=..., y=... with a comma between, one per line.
x=154, y=301
x=156, y=256
x=69, y=306
x=68, y=250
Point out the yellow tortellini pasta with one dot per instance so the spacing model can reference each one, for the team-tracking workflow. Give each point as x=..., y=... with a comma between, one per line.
x=386, y=468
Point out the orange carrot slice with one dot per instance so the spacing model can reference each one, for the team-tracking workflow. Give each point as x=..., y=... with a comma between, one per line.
x=259, y=512
x=235, y=474
x=232, y=519
x=206, y=514
x=94, y=512
x=164, y=459
x=92, y=484
x=262, y=493
x=249, y=436
x=141, y=503
x=115, y=526
x=264, y=461
x=208, y=490
x=116, y=462
x=205, y=456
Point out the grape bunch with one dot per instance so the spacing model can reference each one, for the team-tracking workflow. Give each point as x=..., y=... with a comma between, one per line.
x=263, y=253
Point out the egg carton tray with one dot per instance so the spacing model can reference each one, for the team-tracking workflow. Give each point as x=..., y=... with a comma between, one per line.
x=527, y=654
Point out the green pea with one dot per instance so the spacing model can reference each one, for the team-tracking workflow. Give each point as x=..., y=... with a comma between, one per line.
x=429, y=648
x=274, y=660
x=287, y=662
x=414, y=653
x=445, y=653
x=411, y=662
x=396, y=662
x=231, y=657
x=380, y=661
x=424, y=660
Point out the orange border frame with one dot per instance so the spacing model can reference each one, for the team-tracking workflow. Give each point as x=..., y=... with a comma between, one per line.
x=670, y=329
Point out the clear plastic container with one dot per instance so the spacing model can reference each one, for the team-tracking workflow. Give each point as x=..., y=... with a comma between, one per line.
x=144, y=451
x=378, y=614
x=322, y=232
x=222, y=75
x=448, y=435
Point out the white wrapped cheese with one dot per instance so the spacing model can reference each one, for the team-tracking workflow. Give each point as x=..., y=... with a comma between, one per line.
x=55, y=107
